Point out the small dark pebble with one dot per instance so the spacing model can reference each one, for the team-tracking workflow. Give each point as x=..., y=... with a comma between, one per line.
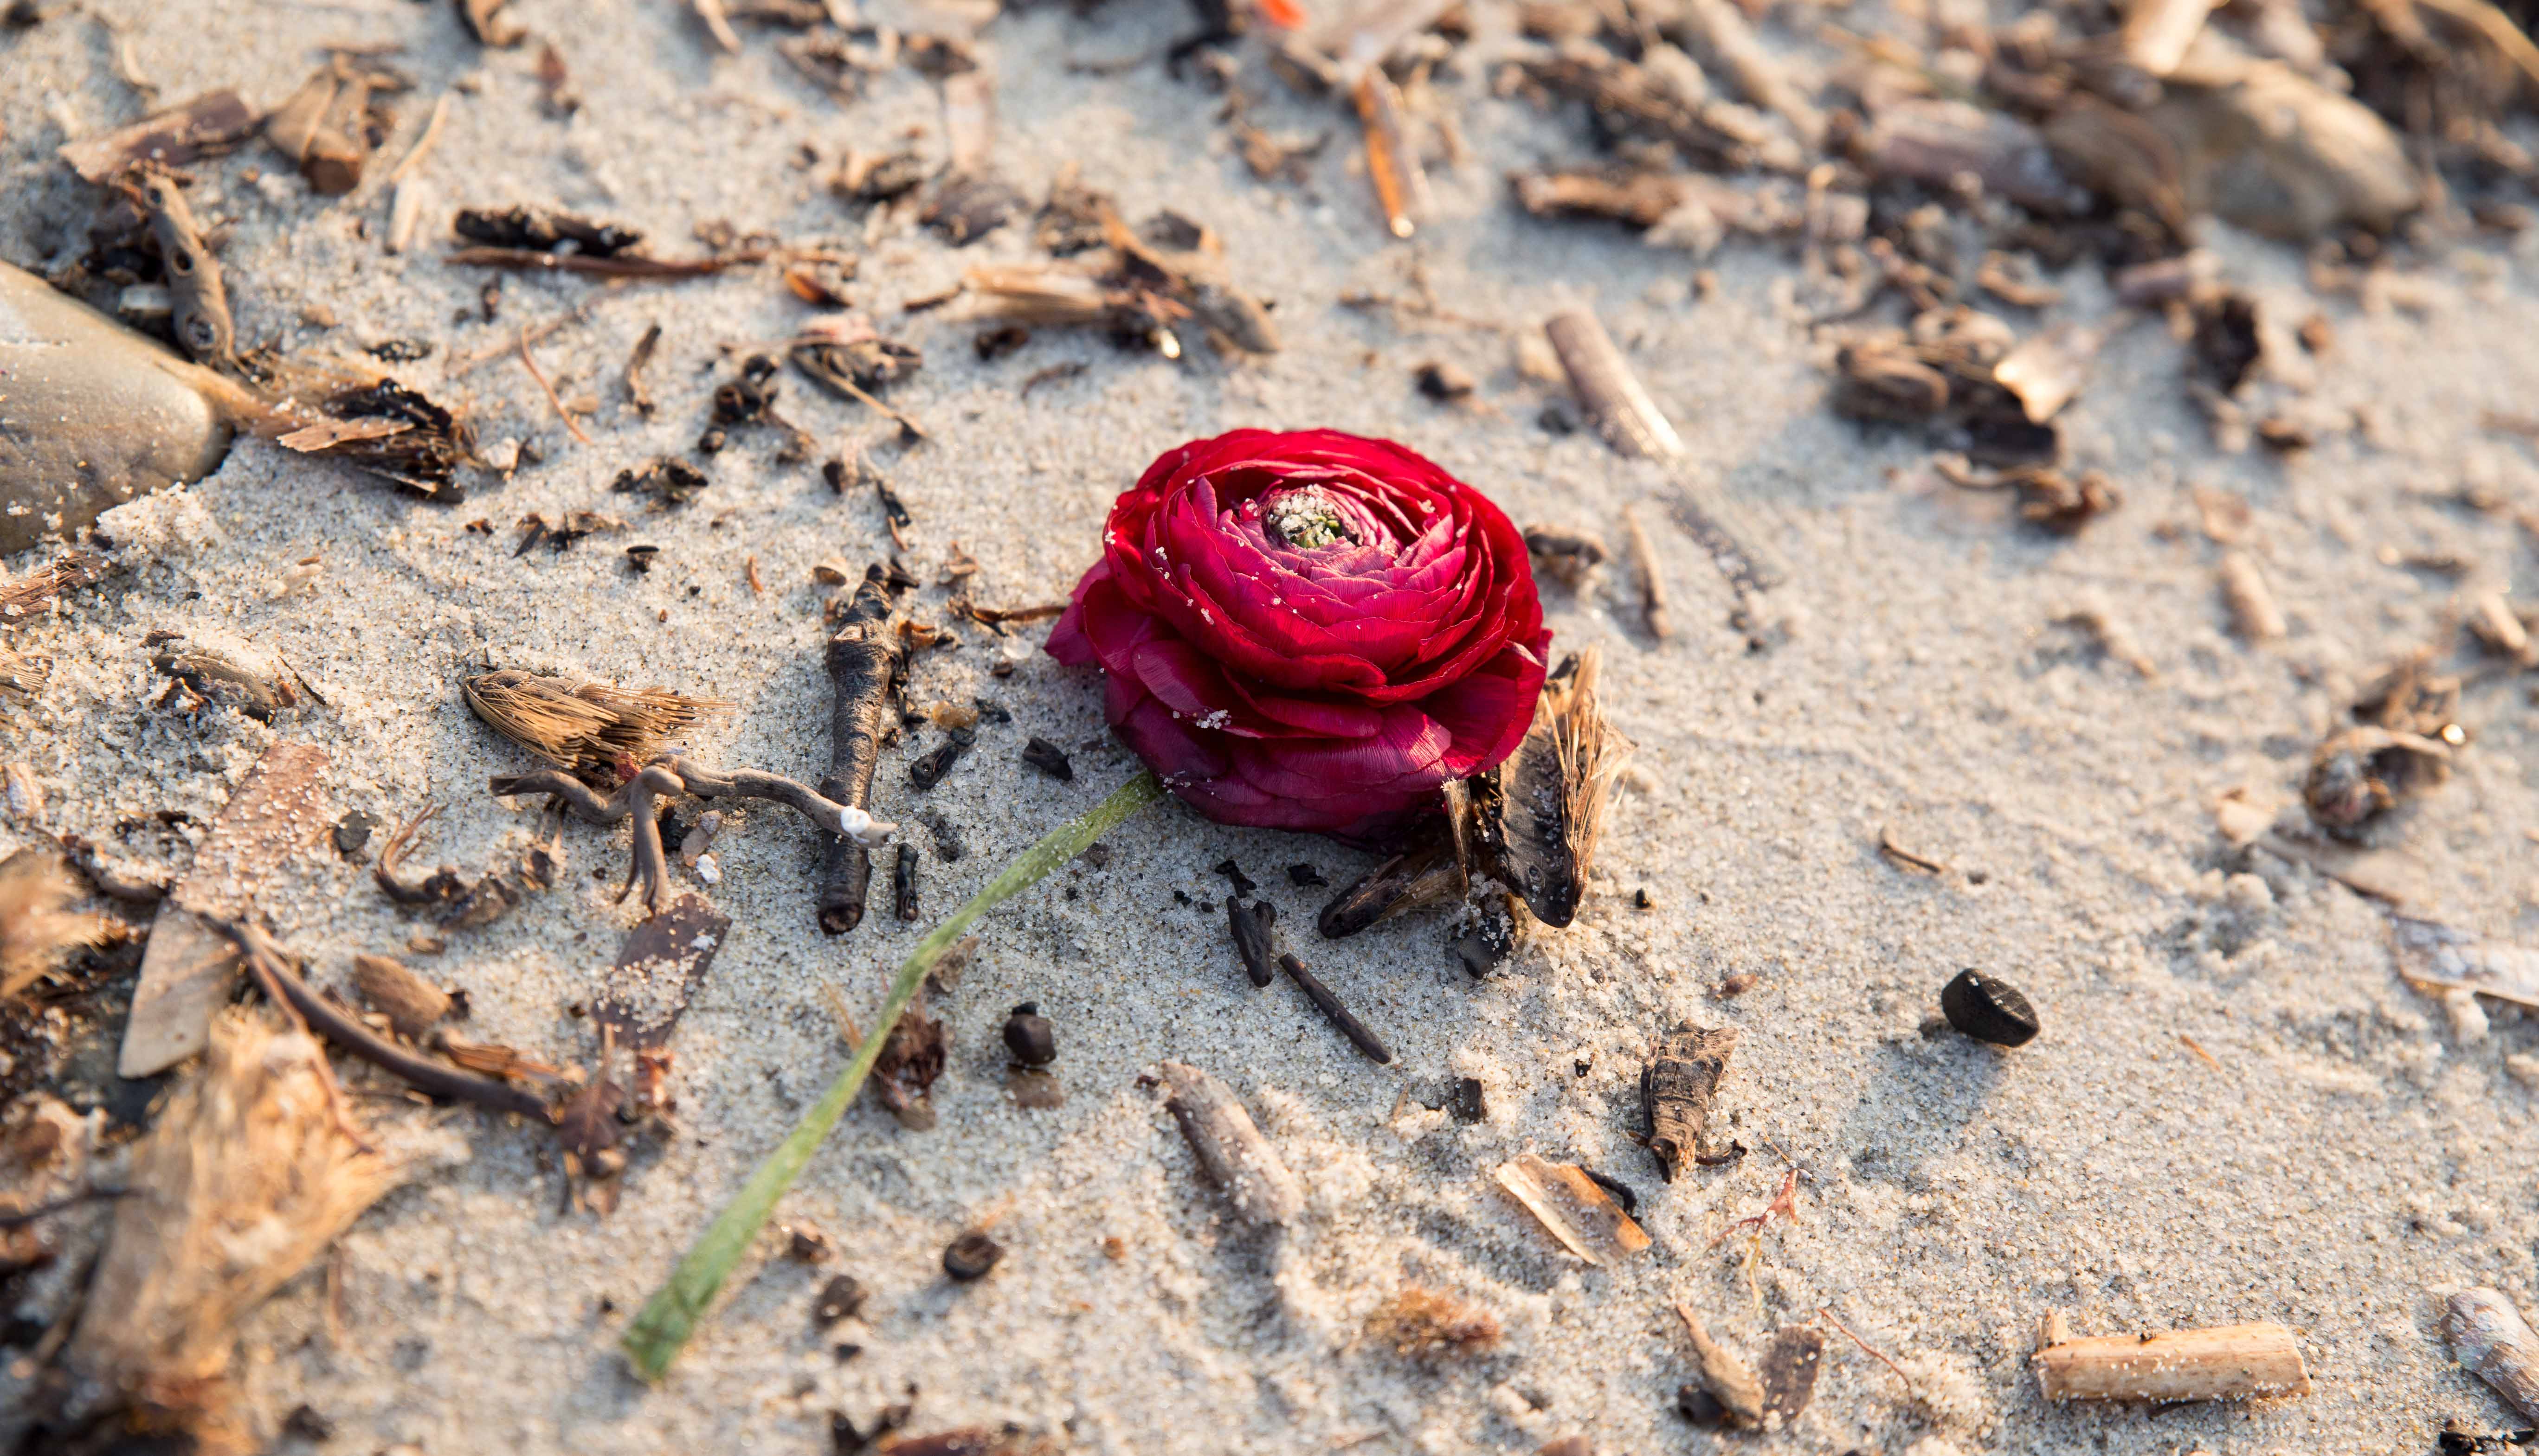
x=1988, y=1010
x=353, y=832
x=1181, y=897
x=1467, y=1104
x=927, y=771
x=1700, y=1407
x=1557, y=417
x=1030, y=1038
x=1641, y=900
x=1619, y=1191
x=991, y=712
x=839, y=1299
x=1097, y=854
x=846, y=1353
x=304, y=1422
x=641, y=558
x=805, y=1244
x=1003, y=669
x=971, y=1256
x=1483, y=945
x=1234, y=876
x=1303, y=874
x=1049, y=758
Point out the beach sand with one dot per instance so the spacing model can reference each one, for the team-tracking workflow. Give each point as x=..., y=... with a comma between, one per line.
x=2338, y=1154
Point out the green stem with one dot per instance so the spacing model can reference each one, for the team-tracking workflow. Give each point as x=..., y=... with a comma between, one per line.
x=671, y=1314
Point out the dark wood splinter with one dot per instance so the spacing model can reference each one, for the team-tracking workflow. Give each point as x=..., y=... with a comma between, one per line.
x=1330, y=1006
x=864, y=661
x=1250, y=925
x=902, y=882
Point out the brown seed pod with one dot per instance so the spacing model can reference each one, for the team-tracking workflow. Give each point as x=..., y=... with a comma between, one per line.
x=602, y=734
x=1676, y=1087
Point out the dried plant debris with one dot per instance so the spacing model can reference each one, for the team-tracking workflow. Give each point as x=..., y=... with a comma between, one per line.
x=1368, y=1044
x=1612, y=394
x=330, y=125
x=1790, y=1365
x=1421, y=1323
x=658, y=969
x=39, y=928
x=1138, y=285
x=2230, y=1363
x=910, y=1060
x=412, y=1005
x=1572, y=1208
x=1567, y=557
x=214, y=668
x=456, y=902
x=198, y=298
x=968, y=206
x=671, y=482
x=2434, y=954
x=2406, y=737
x=206, y=126
x=1249, y=923
x=188, y=967
x=247, y=1174
x=544, y=229
x=601, y=734
x=1538, y=817
x=864, y=662
x=1230, y=1149
x=1662, y=98
x=1428, y=873
x=2493, y=1340
x=1727, y=1379
x=402, y=437
x=1676, y=1087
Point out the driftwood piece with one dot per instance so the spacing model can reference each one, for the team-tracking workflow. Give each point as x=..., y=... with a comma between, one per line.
x=1727, y=1378
x=1572, y=1208
x=2226, y=1363
x=243, y=1179
x=1229, y=1146
x=189, y=966
x=199, y=298
x=864, y=660
x=2496, y=1344
x=1676, y=1087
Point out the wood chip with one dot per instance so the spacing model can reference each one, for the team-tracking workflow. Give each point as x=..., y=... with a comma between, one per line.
x=1230, y=1148
x=2228, y=1362
x=188, y=967
x=1572, y=1208
x=2493, y=1340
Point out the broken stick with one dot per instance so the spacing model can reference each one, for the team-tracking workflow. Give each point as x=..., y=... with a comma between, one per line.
x=2493, y=1340
x=864, y=660
x=2224, y=1363
x=1237, y=1159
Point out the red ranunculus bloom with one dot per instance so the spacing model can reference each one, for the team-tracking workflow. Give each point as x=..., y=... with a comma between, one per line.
x=1310, y=630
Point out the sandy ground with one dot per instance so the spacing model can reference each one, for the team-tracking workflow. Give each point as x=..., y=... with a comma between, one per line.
x=2345, y=1156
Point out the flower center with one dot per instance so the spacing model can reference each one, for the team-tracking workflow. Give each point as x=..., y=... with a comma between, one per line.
x=1306, y=519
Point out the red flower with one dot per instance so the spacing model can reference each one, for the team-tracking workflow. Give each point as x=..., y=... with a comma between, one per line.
x=1310, y=630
